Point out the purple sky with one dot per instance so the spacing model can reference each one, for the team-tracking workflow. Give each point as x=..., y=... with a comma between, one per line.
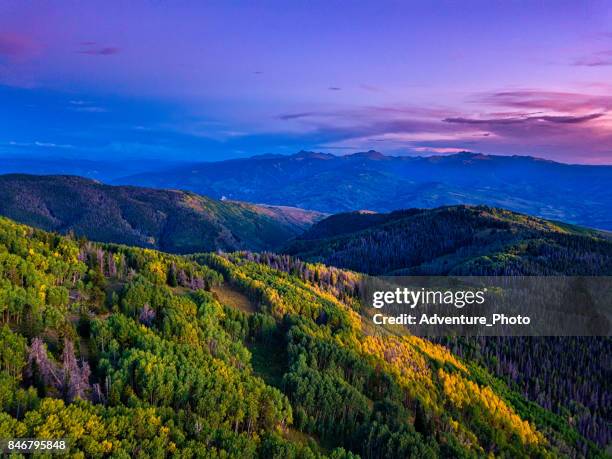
x=210, y=80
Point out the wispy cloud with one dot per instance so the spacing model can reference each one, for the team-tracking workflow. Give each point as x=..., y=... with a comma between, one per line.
x=448, y=150
x=39, y=144
x=598, y=59
x=85, y=107
x=295, y=116
x=371, y=88
x=527, y=119
x=93, y=49
x=533, y=99
x=90, y=109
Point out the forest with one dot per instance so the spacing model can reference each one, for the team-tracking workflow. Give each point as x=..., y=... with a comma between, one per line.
x=128, y=352
x=569, y=376
x=455, y=240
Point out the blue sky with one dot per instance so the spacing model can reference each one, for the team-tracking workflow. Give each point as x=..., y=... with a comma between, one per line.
x=214, y=80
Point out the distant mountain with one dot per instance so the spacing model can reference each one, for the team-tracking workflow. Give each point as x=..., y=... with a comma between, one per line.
x=173, y=221
x=371, y=180
x=459, y=240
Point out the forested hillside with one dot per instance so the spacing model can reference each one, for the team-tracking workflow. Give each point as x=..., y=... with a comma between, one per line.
x=127, y=352
x=172, y=221
x=566, y=375
x=460, y=240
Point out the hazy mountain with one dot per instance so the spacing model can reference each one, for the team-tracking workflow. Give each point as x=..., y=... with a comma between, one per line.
x=370, y=180
x=455, y=240
x=173, y=221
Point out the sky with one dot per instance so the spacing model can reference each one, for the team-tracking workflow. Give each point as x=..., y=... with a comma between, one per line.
x=211, y=80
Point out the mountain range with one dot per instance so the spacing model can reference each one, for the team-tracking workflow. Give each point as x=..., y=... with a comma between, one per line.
x=370, y=180
x=169, y=220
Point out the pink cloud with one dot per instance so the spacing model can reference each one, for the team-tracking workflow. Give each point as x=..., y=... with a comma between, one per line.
x=16, y=52
x=599, y=59
x=15, y=46
x=448, y=150
x=566, y=126
x=546, y=100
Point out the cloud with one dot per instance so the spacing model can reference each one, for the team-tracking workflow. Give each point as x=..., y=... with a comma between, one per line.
x=40, y=144
x=449, y=150
x=562, y=119
x=532, y=99
x=462, y=120
x=557, y=125
x=85, y=106
x=399, y=127
x=90, y=109
x=295, y=116
x=51, y=145
x=570, y=119
x=15, y=46
x=16, y=52
x=93, y=49
x=599, y=59
x=371, y=88
x=106, y=51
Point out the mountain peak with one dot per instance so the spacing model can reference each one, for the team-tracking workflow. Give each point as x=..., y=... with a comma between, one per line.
x=370, y=154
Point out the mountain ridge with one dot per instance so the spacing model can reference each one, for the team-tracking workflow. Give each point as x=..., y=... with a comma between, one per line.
x=454, y=240
x=170, y=220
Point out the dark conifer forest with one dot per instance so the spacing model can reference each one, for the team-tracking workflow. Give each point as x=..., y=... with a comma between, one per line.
x=456, y=240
